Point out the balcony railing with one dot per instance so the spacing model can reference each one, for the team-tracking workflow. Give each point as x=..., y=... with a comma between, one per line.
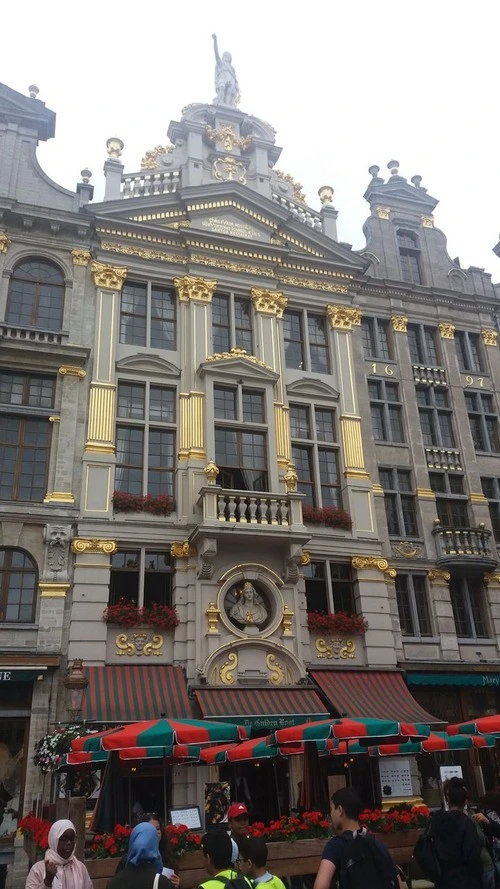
x=31, y=335
x=301, y=212
x=432, y=376
x=140, y=185
x=443, y=458
x=466, y=547
x=250, y=509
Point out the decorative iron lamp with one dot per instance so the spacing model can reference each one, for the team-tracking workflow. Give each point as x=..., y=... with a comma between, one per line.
x=76, y=683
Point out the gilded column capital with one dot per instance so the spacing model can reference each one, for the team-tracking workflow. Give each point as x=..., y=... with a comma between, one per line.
x=197, y=289
x=447, y=331
x=343, y=317
x=93, y=545
x=182, y=550
x=5, y=242
x=427, y=221
x=72, y=371
x=383, y=212
x=490, y=337
x=110, y=277
x=361, y=563
x=80, y=257
x=399, y=323
x=436, y=576
x=269, y=302
x=53, y=590
x=492, y=578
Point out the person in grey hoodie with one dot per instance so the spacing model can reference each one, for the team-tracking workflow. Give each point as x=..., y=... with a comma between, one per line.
x=458, y=844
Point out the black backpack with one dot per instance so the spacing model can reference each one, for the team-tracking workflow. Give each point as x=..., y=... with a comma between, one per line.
x=234, y=883
x=366, y=863
x=426, y=855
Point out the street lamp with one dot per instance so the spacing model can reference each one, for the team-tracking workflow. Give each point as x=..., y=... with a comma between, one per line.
x=76, y=683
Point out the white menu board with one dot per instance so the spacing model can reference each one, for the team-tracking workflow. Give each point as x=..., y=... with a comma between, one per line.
x=395, y=777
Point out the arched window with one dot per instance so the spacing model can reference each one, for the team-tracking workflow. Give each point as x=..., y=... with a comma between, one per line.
x=18, y=583
x=36, y=295
x=409, y=255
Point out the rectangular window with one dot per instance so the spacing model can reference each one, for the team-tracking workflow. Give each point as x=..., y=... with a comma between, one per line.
x=468, y=351
x=26, y=401
x=483, y=421
x=386, y=411
x=491, y=490
x=145, y=443
x=329, y=587
x=241, y=453
x=399, y=501
x=468, y=603
x=231, y=323
x=409, y=255
x=148, y=315
x=422, y=344
x=141, y=577
x=375, y=337
x=435, y=417
x=305, y=337
x=452, y=509
x=413, y=605
x=317, y=464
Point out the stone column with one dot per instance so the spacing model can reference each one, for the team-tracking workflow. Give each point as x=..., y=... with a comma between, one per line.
x=99, y=456
x=443, y=611
x=269, y=306
x=195, y=298
x=357, y=488
x=88, y=632
x=374, y=573
x=65, y=429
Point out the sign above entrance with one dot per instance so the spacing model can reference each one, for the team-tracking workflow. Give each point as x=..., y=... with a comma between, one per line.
x=483, y=680
x=13, y=675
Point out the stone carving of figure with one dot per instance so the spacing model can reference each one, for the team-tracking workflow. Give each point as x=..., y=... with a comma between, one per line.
x=226, y=82
x=250, y=608
x=57, y=547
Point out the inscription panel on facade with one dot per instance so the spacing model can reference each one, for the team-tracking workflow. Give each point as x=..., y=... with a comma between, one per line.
x=475, y=381
x=227, y=225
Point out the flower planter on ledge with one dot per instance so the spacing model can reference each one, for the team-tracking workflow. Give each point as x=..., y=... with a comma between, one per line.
x=287, y=859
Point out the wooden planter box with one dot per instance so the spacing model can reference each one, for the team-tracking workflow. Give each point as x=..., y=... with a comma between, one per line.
x=286, y=859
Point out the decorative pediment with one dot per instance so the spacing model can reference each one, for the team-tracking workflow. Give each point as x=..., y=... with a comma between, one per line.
x=148, y=364
x=310, y=388
x=236, y=365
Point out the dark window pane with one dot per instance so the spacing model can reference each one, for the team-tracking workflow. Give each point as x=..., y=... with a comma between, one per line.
x=225, y=402
x=162, y=404
x=129, y=459
x=157, y=579
x=220, y=323
x=377, y=412
x=342, y=588
x=318, y=346
x=17, y=587
x=430, y=346
x=325, y=425
x=133, y=314
x=302, y=459
x=293, y=340
x=329, y=477
x=124, y=577
x=391, y=511
x=162, y=334
x=422, y=605
x=409, y=515
x=253, y=406
x=131, y=401
x=299, y=421
x=161, y=461
x=243, y=325
x=36, y=296
x=316, y=589
x=404, y=606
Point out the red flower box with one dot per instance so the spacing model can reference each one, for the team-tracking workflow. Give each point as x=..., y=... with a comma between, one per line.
x=338, y=622
x=157, y=504
x=327, y=515
x=127, y=614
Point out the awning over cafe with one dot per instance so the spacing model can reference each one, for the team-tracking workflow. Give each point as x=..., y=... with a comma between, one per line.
x=119, y=693
x=261, y=708
x=375, y=693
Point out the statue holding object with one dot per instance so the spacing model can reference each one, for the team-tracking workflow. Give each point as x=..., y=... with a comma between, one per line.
x=226, y=82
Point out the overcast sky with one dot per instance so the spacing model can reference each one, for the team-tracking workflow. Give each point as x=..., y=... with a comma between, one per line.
x=346, y=85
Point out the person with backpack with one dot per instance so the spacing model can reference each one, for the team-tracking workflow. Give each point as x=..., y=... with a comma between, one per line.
x=354, y=858
x=450, y=851
x=252, y=863
x=216, y=847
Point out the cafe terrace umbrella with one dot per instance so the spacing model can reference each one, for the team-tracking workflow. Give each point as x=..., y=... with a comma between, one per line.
x=256, y=748
x=350, y=729
x=164, y=733
x=483, y=725
x=172, y=753
x=80, y=757
x=93, y=741
x=437, y=742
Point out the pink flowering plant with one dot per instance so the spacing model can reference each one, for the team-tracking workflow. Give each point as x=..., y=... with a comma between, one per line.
x=156, y=504
x=331, y=516
x=338, y=622
x=128, y=614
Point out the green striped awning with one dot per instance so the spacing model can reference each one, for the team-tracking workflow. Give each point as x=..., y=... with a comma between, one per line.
x=261, y=708
x=376, y=694
x=119, y=693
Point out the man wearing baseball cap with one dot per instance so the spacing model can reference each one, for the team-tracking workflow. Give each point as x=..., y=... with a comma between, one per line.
x=237, y=818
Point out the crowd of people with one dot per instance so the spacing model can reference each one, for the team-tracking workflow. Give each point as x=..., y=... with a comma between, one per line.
x=465, y=846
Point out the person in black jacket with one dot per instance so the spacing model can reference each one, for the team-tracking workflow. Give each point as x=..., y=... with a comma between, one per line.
x=144, y=865
x=458, y=843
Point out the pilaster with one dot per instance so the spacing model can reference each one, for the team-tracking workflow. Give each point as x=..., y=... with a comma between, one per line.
x=373, y=576
x=88, y=632
x=357, y=488
x=443, y=612
x=269, y=306
x=100, y=443
x=66, y=430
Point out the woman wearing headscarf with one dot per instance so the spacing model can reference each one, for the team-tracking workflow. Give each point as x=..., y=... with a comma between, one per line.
x=60, y=869
x=144, y=866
